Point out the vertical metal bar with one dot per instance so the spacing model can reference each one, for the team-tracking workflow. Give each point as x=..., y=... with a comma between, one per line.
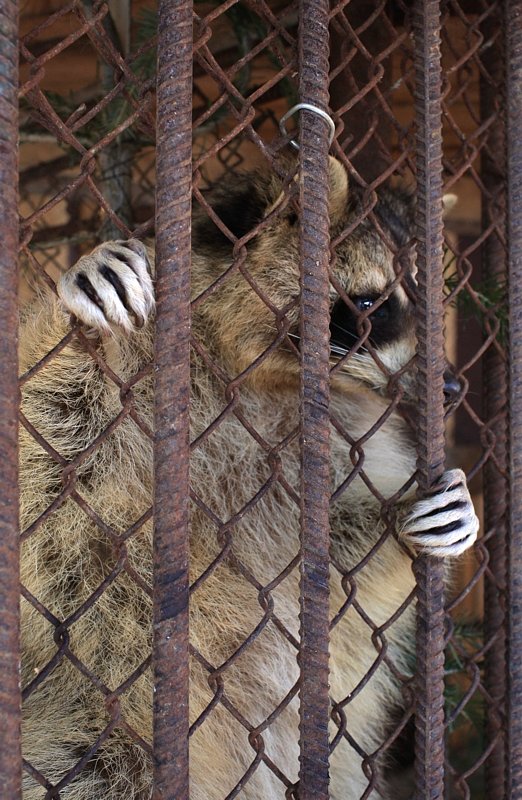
x=172, y=376
x=315, y=354
x=429, y=718
x=10, y=756
x=494, y=268
x=514, y=605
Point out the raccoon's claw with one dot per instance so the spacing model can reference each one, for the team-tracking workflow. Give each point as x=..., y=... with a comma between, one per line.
x=111, y=286
x=444, y=523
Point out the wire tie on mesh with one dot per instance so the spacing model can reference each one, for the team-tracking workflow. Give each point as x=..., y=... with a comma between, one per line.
x=306, y=107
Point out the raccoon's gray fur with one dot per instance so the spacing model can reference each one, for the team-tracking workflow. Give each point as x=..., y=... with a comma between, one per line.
x=71, y=401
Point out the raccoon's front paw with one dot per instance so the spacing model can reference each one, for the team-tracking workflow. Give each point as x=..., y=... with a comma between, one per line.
x=444, y=523
x=112, y=286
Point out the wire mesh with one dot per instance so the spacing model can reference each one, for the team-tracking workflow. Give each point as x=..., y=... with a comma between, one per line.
x=88, y=174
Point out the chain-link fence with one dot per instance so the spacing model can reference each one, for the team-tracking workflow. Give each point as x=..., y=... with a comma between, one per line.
x=267, y=629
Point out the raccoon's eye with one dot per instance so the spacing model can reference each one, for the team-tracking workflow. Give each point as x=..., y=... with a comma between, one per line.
x=382, y=312
x=363, y=303
x=345, y=326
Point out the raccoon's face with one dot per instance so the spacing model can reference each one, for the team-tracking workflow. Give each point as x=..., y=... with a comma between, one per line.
x=252, y=316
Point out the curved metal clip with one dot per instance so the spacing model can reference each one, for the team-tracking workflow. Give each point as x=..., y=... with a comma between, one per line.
x=307, y=107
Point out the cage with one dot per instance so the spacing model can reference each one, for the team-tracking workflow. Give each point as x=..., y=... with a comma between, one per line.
x=126, y=133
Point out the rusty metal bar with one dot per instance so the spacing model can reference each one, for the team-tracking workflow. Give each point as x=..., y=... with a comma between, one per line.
x=315, y=354
x=172, y=354
x=494, y=266
x=514, y=605
x=429, y=715
x=10, y=757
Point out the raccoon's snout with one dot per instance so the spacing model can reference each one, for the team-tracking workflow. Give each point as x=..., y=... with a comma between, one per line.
x=452, y=387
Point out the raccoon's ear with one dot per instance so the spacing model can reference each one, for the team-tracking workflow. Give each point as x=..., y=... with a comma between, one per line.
x=449, y=201
x=338, y=179
x=280, y=196
x=338, y=185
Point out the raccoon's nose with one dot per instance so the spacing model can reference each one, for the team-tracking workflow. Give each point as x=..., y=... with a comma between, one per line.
x=452, y=387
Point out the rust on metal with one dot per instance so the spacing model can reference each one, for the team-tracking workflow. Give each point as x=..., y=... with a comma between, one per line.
x=429, y=706
x=238, y=92
x=10, y=758
x=514, y=216
x=315, y=424
x=172, y=390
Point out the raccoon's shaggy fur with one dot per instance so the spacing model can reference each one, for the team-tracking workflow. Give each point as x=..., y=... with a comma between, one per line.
x=70, y=401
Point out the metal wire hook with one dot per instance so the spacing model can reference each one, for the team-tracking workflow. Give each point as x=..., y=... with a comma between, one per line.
x=306, y=107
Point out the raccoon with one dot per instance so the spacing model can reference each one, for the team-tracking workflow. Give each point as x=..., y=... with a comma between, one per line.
x=87, y=727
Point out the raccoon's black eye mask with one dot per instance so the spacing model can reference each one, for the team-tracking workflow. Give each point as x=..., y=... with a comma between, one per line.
x=387, y=322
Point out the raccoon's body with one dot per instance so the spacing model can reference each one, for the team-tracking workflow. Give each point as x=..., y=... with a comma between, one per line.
x=97, y=640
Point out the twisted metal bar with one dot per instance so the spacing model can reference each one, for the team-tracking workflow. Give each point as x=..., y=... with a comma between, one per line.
x=514, y=605
x=429, y=718
x=315, y=352
x=10, y=760
x=172, y=358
